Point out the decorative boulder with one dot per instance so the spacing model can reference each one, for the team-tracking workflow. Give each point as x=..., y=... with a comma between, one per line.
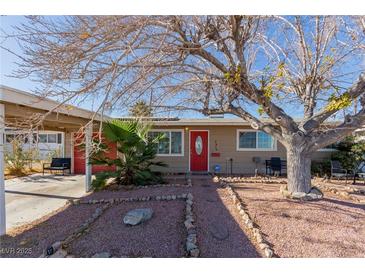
x=138, y=216
x=284, y=191
x=315, y=193
x=298, y=195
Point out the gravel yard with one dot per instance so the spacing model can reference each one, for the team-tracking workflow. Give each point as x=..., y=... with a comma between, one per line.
x=331, y=227
x=161, y=236
x=30, y=240
x=218, y=231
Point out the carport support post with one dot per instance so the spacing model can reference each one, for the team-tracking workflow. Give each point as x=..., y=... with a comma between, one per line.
x=2, y=168
x=88, y=143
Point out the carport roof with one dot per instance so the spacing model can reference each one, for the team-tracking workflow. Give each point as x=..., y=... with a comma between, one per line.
x=18, y=97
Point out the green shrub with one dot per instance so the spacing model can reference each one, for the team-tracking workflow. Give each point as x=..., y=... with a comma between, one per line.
x=350, y=153
x=321, y=168
x=135, y=158
x=17, y=159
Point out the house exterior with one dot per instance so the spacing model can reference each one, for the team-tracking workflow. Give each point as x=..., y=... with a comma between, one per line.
x=222, y=145
x=218, y=145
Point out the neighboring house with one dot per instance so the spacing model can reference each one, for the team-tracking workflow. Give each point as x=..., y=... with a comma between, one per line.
x=44, y=144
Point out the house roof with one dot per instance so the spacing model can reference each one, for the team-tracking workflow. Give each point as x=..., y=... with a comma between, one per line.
x=19, y=97
x=203, y=122
x=157, y=121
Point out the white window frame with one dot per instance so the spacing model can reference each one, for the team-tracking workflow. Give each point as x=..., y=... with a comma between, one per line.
x=274, y=148
x=182, y=142
x=324, y=149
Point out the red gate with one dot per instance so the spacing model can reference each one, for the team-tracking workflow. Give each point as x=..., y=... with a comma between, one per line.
x=79, y=156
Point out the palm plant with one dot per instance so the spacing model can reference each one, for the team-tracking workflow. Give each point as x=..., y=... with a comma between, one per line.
x=134, y=161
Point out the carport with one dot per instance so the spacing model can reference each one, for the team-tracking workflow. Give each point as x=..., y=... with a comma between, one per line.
x=17, y=106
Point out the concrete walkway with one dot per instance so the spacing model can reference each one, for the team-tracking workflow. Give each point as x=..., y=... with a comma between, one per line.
x=32, y=197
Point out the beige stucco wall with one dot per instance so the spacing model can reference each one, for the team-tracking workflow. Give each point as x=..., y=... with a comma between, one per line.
x=68, y=144
x=222, y=139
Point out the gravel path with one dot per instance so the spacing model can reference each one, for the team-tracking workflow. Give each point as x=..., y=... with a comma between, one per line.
x=327, y=228
x=215, y=211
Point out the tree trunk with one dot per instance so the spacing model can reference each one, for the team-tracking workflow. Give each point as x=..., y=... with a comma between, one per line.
x=298, y=170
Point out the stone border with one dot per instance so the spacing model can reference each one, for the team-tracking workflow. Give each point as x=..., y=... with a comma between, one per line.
x=192, y=248
x=252, y=180
x=342, y=193
x=58, y=248
x=134, y=187
x=249, y=224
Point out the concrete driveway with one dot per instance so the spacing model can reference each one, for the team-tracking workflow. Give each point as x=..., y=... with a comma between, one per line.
x=31, y=197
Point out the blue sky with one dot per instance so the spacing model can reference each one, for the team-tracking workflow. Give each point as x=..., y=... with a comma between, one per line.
x=8, y=60
x=7, y=66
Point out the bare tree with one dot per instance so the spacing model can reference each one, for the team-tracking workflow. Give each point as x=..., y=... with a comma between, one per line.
x=299, y=71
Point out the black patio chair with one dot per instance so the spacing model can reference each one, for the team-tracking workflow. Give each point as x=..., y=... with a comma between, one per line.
x=359, y=172
x=273, y=166
x=338, y=172
x=58, y=164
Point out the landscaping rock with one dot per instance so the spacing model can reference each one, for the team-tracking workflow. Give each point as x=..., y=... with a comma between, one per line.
x=219, y=231
x=60, y=253
x=194, y=253
x=102, y=255
x=192, y=238
x=190, y=196
x=190, y=246
x=284, y=191
x=344, y=194
x=268, y=253
x=263, y=246
x=315, y=193
x=259, y=238
x=137, y=216
x=249, y=224
x=188, y=225
x=298, y=195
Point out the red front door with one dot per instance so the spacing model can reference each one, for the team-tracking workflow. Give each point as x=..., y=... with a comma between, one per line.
x=199, y=150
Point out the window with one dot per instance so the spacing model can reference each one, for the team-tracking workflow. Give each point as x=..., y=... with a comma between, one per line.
x=331, y=147
x=9, y=138
x=42, y=138
x=171, y=144
x=176, y=142
x=254, y=140
x=52, y=138
x=59, y=138
x=23, y=138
